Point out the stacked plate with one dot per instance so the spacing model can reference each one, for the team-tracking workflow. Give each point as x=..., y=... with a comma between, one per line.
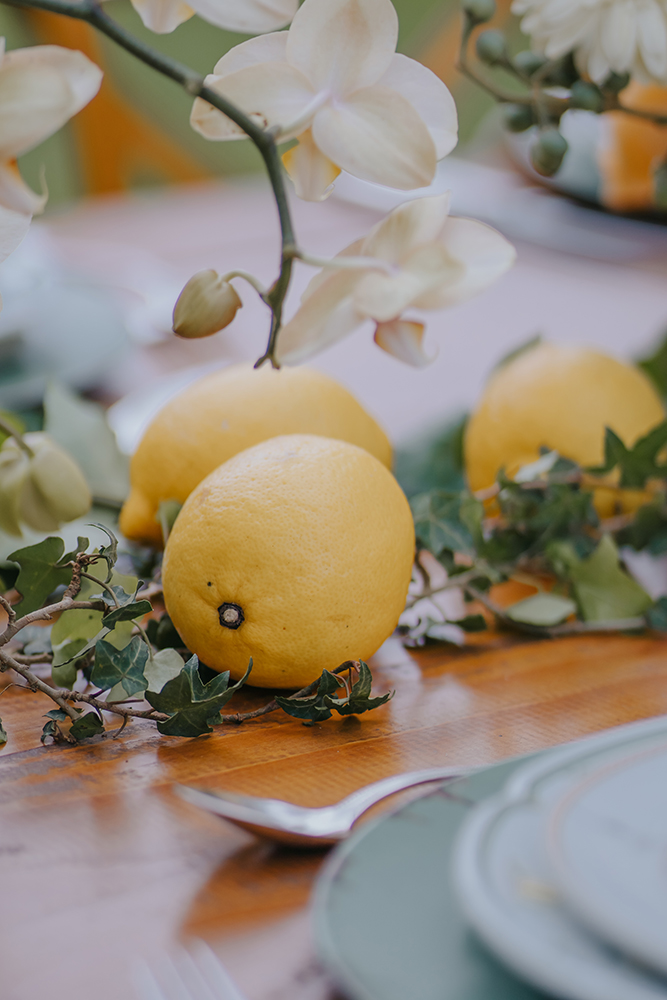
x=563, y=874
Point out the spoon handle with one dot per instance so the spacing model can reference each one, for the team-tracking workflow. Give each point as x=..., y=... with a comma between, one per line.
x=354, y=805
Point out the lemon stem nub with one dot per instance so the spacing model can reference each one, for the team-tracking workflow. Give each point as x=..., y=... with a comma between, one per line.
x=231, y=615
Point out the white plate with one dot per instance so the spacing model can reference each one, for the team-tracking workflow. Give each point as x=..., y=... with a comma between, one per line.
x=506, y=885
x=607, y=841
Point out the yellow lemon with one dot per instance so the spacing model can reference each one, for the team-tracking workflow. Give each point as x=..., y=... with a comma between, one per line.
x=226, y=412
x=561, y=397
x=298, y=553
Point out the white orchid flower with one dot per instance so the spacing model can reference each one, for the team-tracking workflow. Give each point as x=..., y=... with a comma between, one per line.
x=40, y=89
x=13, y=227
x=605, y=35
x=335, y=82
x=248, y=16
x=419, y=257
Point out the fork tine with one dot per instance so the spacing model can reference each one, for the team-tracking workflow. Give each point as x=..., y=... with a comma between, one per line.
x=145, y=984
x=192, y=974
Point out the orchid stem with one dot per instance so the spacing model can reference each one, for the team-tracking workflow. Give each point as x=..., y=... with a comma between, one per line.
x=12, y=432
x=193, y=83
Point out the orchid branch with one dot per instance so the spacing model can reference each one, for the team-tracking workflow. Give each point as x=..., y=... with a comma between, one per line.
x=193, y=83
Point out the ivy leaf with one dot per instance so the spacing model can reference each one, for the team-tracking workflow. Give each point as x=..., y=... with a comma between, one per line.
x=78, y=630
x=126, y=613
x=120, y=666
x=57, y=714
x=636, y=464
x=472, y=623
x=3, y=734
x=166, y=515
x=603, y=590
x=43, y=569
x=542, y=609
x=312, y=708
x=163, y=634
x=36, y=639
x=655, y=366
x=359, y=700
x=162, y=668
x=50, y=730
x=656, y=617
x=86, y=726
x=446, y=521
x=193, y=706
x=108, y=552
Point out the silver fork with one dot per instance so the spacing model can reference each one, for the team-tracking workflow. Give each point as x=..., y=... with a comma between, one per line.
x=192, y=974
x=303, y=826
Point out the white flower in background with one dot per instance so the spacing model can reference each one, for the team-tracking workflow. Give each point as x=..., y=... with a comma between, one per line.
x=40, y=89
x=248, y=16
x=420, y=257
x=13, y=227
x=335, y=82
x=605, y=35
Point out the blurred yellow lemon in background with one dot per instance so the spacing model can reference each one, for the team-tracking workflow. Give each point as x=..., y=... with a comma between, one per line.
x=222, y=414
x=560, y=397
x=298, y=553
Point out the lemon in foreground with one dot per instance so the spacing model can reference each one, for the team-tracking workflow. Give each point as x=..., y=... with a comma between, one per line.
x=226, y=412
x=298, y=553
x=560, y=397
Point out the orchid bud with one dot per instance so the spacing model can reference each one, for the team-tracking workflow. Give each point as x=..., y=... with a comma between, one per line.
x=518, y=117
x=41, y=490
x=206, y=305
x=548, y=152
x=528, y=62
x=586, y=96
x=479, y=11
x=490, y=47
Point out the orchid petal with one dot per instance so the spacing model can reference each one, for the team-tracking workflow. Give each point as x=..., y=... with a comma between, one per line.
x=15, y=194
x=430, y=98
x=162, y=16
x=618, y=35
x=13, y=228
x=353, y=250
x=384, y=297
x=264, y=48
x=403, y=339
x=377, y=135
x=407, y=227
x=484, y=254
x=40, y=89
x=326, y=316
x=652, y=37
x=270, y=93
x=312, y=173
x=247, y=16
x=343, y=45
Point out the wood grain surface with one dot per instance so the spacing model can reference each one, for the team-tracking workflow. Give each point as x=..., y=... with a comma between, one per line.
x=102, y=865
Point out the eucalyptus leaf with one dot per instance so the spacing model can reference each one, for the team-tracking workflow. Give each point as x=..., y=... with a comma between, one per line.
x=81, y=428
x=120, y=666
x=542, y=609
x=86, y=726
x=603, y=590
x=193, y=706
x=43, y=569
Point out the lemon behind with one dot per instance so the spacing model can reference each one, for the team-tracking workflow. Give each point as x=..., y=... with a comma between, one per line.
x=226, y=412
x=298, y=553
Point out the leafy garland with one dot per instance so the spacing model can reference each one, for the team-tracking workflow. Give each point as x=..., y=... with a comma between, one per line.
x=101, y=657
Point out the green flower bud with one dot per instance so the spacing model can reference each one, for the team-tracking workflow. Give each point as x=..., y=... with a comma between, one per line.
x=490, y=47
x=586, y=96
x=41, y=490
x=206, y=305
x=528, y=62
x=518, y=117
x=547, y=153
x=479, y=11
x=616, y=82
x=660, y=187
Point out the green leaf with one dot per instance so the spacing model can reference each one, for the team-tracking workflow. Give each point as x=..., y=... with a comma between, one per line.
x=78, y=630
x=162, y=668
x=166, y=515
x=57, y=714
x=656, y=617
x=120, y=666
x=36, y=639
x=433, y=461
x=603, y=590
x=43, y=569
x=636, y=464
x=86, y=726
x=318, y=707
x=446, y=521
x=13, y=421
x=472, y=623
x=655, y=366
x=163, y=634
x=126, y=613
x=359, y=700
x=3, y=734
x=50, y=730
x=81, y=428
x=108, y=552
x=193, y=706
x=542, y=609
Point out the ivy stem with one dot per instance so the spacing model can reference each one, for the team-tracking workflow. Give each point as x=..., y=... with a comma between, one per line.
x=104, y=586
x=193, y=84
x=10, y=430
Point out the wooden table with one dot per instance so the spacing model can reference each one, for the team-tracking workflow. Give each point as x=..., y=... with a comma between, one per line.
x=100, y=863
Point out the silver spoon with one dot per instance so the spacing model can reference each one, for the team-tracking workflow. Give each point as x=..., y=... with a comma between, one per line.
x=300, y=825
